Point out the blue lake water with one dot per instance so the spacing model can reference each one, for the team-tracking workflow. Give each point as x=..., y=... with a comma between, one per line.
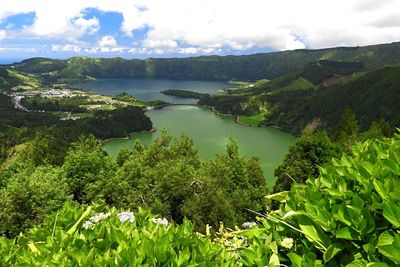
x=149, y=89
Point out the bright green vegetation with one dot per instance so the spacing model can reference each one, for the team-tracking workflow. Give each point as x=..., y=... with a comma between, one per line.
x=347, y=216
x=168, y=176
x=125, y=97
x=254, y=120
x=248, y=67
x=315, y=149
x=14, y=80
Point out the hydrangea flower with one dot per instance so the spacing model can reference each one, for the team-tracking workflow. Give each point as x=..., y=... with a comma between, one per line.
x=160, y=221
x=126, y=215
x=86, y=224
x=249, y=224
x=287, y=242
x=98, y=217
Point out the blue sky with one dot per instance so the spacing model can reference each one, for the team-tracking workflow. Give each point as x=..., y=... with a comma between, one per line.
x=182, y=28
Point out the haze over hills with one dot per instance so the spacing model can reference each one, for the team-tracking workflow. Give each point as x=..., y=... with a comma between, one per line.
x=246, y=67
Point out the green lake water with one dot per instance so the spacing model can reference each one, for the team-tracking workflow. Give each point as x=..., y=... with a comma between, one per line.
x=210, y=133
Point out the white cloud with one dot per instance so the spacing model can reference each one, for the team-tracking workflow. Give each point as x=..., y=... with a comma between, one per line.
x=65, y=48
x=3, y=34
x=217, y=24
x=160, y=43
x=107, y=41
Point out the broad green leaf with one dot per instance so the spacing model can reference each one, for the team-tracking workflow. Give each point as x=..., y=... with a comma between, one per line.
x=332, y=251
x=377, y=264
x=357, y=263
x=380, y=188
x=391, y=212
x=347, y=233
x=313, y=232
x=75, y=226
x=392, y=165
x=33, y=248
x=389, y=246
x=274, y=261
x=295, y=259
x=281, y=196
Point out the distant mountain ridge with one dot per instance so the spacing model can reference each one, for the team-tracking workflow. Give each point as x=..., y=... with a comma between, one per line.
x=245, y=67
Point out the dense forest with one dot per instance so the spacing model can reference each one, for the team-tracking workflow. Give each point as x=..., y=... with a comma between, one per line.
x=302, y=98
x=53, y=135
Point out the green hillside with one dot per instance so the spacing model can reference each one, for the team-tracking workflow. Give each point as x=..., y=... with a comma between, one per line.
x=317, y=94
x=372, y=97
x=247, y=67
x=11, y=79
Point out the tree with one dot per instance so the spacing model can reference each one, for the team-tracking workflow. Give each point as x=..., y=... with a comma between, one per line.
x=91, y=173
x=347, y=129
x=304, y=158
x=29, y=196
x=170, y=178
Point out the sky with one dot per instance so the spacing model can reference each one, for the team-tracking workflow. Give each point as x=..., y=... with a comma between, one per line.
x=182, y=28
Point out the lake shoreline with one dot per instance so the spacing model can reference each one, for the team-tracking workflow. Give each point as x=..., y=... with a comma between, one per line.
x=152, y=130
x=235, y=117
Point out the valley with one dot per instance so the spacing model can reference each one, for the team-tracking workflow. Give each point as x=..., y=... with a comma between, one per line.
x=283, y=158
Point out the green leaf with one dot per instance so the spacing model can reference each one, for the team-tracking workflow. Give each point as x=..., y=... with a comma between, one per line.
x=389, y=246
x=295, y=259
x=357, y=263
x=274, y=261
x=392, y=165
x=281, y=196
x=332, y=251
x=347, y=233
x=380, y=188
x=313, y=232
x=75, y=226
x=377, y=264
x=391, y=212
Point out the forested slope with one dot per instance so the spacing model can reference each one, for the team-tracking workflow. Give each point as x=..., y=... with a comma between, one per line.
x=246, y=67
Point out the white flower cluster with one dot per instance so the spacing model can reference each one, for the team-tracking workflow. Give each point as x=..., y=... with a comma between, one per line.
x=160, y=221
x=122, y=216
x=287, y=242
x=98, y=217
x=95, y=219
x=125, y=216
x=249, y=224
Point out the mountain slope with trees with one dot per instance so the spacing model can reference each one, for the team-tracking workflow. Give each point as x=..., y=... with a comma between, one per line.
x=246, y=67
x=302, y=98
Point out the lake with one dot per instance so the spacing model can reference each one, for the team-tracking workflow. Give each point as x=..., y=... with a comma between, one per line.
x=210, y=133
x=149, y=89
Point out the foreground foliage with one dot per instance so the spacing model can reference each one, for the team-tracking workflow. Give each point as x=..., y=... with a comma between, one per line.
x=140, y=240
x=348, y=216
x=168, y=177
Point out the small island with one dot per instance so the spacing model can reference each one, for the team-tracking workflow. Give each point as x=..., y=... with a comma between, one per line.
x=184, y=93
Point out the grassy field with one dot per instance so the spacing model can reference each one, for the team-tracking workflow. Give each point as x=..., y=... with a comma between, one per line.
x=254, y=120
